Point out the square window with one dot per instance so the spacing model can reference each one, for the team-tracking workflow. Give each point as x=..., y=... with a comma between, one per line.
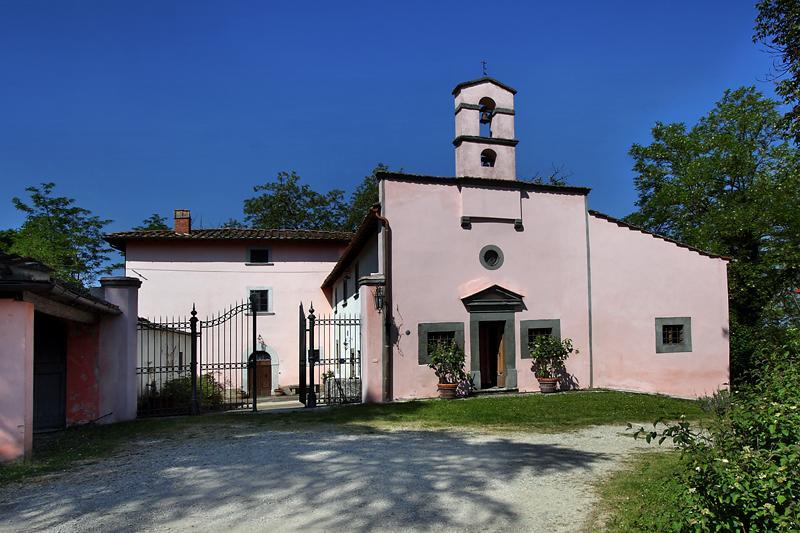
x=259, y=255
x=538, y=332
x=261, y=300
x=530, y=329
x=432, y=333
x=440, y=337
x=673, y=334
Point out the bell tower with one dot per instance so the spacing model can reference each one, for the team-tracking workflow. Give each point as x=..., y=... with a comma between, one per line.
x=485, y=143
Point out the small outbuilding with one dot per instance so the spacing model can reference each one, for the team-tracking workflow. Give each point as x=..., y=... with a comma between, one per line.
x=67, y=354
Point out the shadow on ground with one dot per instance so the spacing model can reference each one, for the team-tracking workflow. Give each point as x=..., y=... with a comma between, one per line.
x=316, y=479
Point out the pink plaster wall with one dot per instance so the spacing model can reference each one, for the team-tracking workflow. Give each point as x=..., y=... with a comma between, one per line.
x=636, y=278
x=117, y=359
x=213, y=276
x=83, y=393
x=435, y=263
x=16, y=379
x=371, y=347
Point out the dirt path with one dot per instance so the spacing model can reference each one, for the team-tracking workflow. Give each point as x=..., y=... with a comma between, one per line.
x=241, y=479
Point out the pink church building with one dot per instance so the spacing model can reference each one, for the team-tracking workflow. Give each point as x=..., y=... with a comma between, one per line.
x=482, y=258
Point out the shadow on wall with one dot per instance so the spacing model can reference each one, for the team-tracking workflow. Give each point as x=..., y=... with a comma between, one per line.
x=321, y=480
x=567, y=381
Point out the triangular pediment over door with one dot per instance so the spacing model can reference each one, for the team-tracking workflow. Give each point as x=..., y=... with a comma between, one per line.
x=494, y=299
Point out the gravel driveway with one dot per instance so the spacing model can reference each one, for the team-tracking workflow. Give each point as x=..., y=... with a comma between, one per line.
x=322, y=479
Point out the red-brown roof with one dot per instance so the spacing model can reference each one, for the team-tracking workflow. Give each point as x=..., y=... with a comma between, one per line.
x=118, y=240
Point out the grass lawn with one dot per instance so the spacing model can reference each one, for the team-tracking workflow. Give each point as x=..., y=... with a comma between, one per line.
x=530, y=412
x=642, y=497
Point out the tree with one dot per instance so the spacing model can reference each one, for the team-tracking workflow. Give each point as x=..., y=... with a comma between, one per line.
x=67, y=238
x=285, y=203
x=363, y=198
x=233, y=223
x=557, y=176
x=154, y=221
x=778, y=28
x=730, y=185
x=7, y=239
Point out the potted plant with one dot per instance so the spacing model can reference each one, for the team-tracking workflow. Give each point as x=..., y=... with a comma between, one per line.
x=548, y=355
x=447, y=361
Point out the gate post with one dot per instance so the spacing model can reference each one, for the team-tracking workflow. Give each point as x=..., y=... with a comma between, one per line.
x=193, y=363
x=302, y=357
x=311, y=396
x=252, y=357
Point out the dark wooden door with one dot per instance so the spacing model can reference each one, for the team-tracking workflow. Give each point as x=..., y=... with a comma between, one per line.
x=49, y=372
x=264, y=371
x=492, y=354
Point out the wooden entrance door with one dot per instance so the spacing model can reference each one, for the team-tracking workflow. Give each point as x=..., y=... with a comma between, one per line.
x=491, y=341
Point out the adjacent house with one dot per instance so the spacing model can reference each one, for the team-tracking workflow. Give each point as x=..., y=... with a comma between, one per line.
x=214, y=269
x=480, y=258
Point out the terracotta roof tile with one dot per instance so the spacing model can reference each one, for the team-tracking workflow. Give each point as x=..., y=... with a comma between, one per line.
x=118, y=239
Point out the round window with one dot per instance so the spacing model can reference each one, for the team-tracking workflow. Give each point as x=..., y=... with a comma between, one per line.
x=491, y=257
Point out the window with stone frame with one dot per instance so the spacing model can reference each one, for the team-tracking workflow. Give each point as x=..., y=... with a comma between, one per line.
x=431, y=333
x=673, y=334
x=530, y=329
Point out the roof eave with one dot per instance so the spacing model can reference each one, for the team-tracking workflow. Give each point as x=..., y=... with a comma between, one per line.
x=478, y=81
x=633, y=227
x=484, y=182
x=365, y=230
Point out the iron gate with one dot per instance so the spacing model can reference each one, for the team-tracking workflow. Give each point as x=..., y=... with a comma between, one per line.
x=330, y=354
x=188, y=365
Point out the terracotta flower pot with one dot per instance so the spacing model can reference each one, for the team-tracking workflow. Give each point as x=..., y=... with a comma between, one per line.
x=447, y=391
x=547, y=384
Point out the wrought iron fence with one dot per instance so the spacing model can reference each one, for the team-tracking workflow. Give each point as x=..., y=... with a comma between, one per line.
x=188, y=365
x=224, y=352
x=164, y=367
x=334, y=359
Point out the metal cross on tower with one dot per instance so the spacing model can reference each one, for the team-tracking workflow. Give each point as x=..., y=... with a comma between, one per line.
x=483, y=63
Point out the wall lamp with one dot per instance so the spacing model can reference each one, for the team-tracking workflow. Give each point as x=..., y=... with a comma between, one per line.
x=379, y=297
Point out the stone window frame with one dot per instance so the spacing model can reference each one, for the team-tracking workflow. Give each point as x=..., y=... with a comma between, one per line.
x=495, y=248
x=525, y=325
x=683, y=347
x=423, y=328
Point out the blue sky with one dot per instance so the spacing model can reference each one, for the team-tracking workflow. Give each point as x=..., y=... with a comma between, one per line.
x=141, y=107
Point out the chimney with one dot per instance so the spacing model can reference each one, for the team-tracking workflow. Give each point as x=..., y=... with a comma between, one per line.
x=183, y=221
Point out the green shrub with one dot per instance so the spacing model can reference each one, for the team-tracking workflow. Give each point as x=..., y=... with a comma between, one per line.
x=743, y=473
x=178, y=392
x=548, y=355
x=447, y=362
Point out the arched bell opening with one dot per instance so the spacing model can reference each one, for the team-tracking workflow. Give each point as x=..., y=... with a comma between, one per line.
x=488, y=158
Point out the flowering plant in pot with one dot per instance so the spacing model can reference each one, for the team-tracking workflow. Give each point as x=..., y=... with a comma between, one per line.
x=548, y=355
x=447, y=362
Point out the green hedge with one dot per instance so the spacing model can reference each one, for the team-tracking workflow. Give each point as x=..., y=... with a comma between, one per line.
x=743, y=473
